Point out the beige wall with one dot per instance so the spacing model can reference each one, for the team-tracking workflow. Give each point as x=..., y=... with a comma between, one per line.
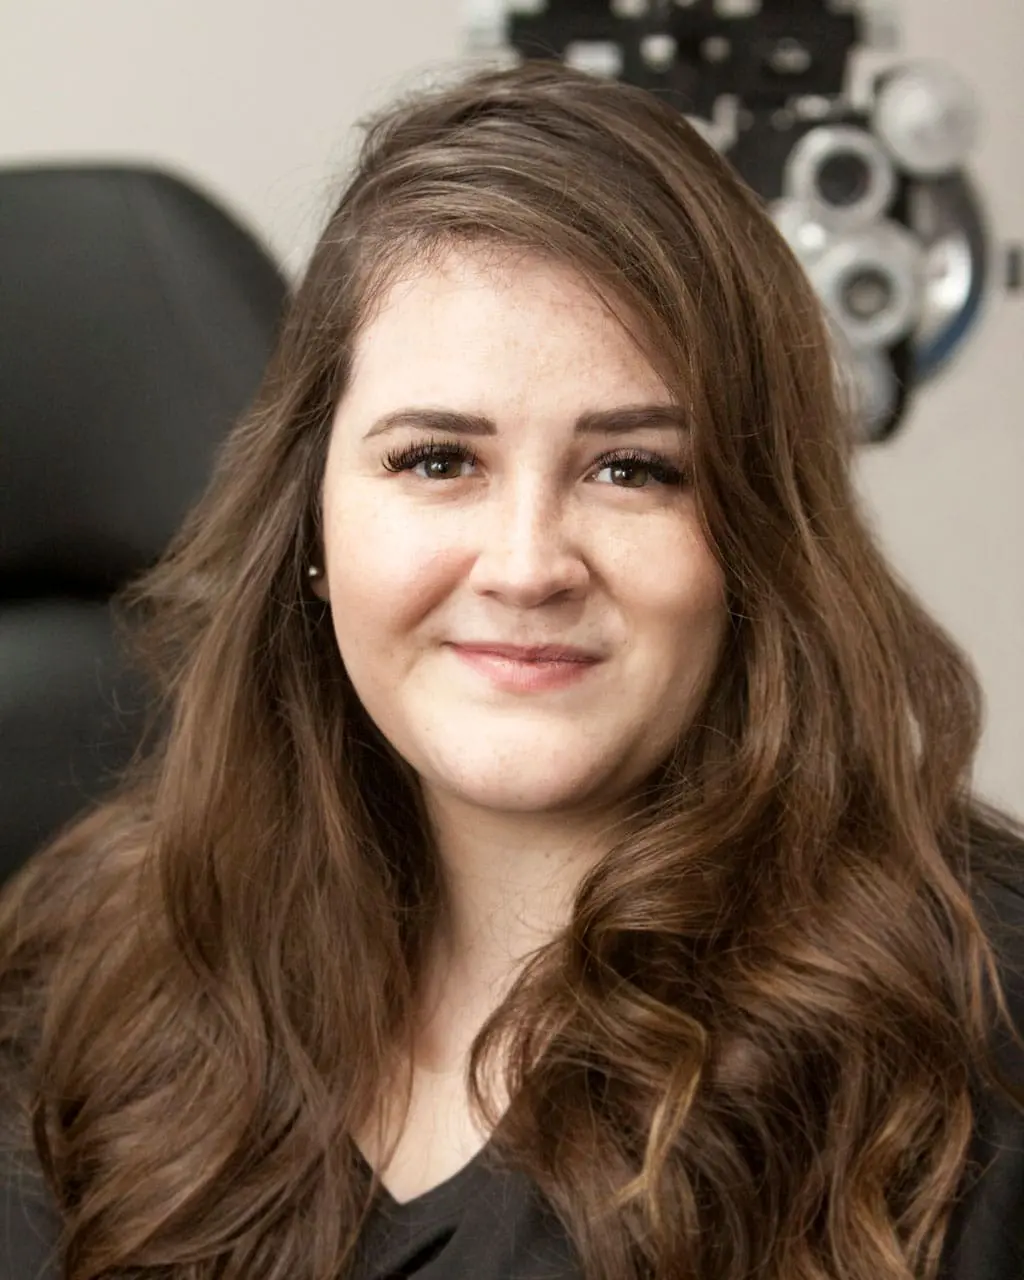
x=254, y=98
x=947, y=495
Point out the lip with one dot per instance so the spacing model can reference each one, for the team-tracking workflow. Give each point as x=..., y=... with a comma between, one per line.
x=527, y=669
x=530, y=652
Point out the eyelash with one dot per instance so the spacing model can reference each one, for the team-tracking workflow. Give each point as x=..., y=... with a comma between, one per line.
x=412, y=455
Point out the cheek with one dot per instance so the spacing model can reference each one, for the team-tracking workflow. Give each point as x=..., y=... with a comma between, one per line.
x=688, y=620
x=384, y=574
x=675, y=582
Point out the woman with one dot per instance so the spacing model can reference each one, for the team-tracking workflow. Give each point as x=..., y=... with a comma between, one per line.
x=558, y=857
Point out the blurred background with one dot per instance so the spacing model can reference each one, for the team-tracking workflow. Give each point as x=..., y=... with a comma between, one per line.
x=252, y=102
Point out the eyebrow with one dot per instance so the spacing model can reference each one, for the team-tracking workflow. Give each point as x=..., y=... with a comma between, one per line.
x=617, y=421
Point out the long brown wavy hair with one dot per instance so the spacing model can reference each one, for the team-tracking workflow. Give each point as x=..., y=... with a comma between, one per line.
x=756, y=1045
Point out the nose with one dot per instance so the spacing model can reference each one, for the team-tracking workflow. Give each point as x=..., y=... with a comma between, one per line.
x=527, y=551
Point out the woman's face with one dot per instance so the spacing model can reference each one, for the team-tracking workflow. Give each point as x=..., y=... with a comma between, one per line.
x=503, y=471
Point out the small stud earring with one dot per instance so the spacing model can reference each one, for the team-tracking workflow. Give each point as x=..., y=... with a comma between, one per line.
x=314, y=571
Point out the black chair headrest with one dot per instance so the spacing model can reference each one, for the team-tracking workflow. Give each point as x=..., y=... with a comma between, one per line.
x=135, y=320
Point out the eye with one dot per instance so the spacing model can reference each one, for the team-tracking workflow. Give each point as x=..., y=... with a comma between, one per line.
x=444, y=460
x=633, y=469
x=440, y=459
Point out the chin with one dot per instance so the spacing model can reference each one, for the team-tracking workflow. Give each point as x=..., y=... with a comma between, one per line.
x=529, y=786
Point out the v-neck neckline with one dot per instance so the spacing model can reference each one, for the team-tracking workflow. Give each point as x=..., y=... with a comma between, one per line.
x=439, y=1198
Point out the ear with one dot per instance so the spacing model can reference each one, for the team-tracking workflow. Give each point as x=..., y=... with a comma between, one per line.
x=318, y=582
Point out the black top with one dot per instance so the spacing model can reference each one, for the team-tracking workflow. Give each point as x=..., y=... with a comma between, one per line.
x=489, y=1223
x=484, y=1223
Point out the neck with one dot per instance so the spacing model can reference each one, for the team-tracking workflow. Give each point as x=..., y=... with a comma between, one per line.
x=510, y=881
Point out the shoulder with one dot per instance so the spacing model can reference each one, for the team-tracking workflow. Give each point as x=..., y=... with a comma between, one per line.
x=72, y=896
x=986, y=1235
x=29, y=1222
x=998, y=895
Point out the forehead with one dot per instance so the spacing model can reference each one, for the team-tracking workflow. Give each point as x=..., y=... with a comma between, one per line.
x=496, y=321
